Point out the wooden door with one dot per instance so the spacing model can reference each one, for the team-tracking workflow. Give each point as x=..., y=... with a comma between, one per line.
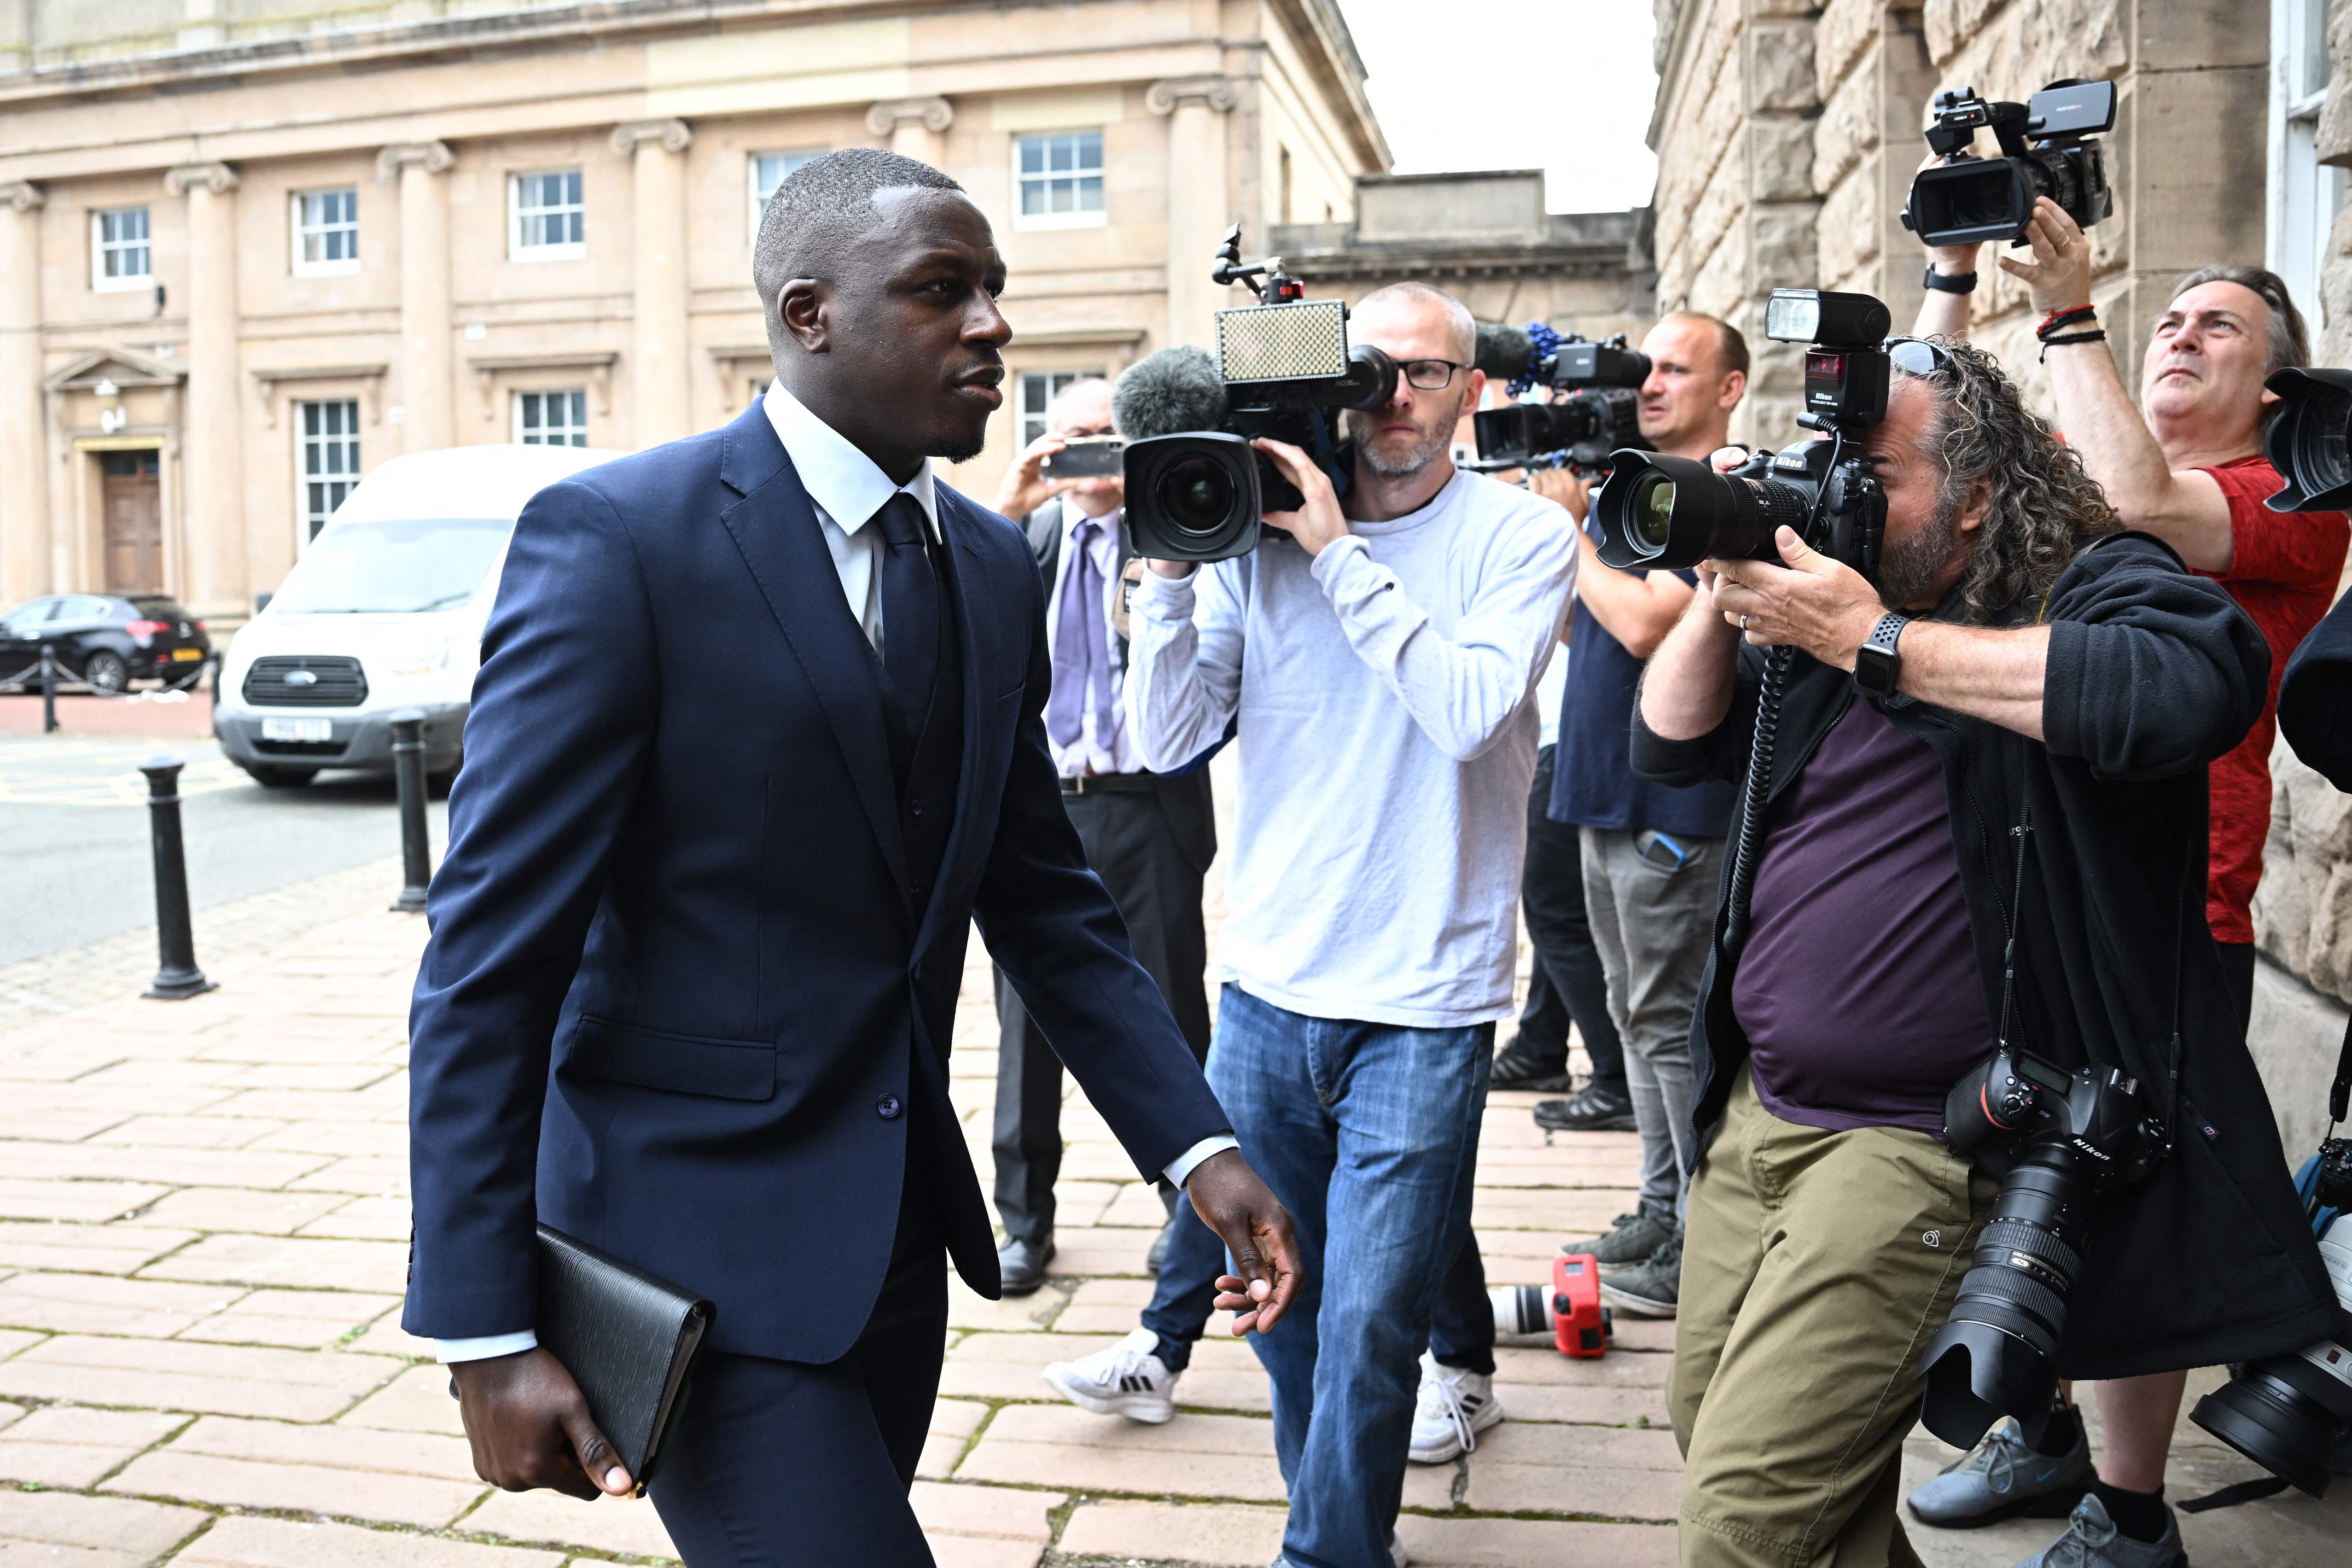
x=134, y=523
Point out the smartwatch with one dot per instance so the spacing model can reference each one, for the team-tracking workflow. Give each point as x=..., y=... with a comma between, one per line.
x=1951, y=283
x=1876, y=665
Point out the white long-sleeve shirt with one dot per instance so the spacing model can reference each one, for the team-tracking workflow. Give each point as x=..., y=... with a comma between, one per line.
x=1386, y=742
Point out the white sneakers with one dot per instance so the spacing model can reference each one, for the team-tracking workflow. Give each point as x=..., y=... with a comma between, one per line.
x=1452, y=1408
x=1127, y=1379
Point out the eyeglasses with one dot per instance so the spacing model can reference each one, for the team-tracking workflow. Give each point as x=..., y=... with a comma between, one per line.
x=1918, y=356
x=1429, y=374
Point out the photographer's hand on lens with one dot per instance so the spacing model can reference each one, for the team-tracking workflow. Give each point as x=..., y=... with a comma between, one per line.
x=1025, y=486
x=1234, y=1203
x=528, y=1425
x=1320, y=523
x=1563, y=487
x=2059, y=276
x=1821, y=606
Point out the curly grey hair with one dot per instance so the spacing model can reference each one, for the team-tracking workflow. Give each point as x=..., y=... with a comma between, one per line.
x=2041, y=507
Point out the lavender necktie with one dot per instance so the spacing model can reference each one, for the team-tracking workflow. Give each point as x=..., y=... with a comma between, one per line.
x=1081, y=648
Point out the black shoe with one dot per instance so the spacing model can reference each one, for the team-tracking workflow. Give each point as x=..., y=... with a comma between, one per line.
x=1522, y=1066
x=1588, y=1109
x=1023, y=1265
x=1158, y=1253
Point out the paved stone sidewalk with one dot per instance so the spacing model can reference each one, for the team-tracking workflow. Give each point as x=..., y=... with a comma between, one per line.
x=202, y=1228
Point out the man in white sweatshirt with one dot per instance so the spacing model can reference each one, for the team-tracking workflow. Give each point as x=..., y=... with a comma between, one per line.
x=1378, y=660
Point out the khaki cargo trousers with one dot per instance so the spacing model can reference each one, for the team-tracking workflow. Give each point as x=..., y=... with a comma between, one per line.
x=1816, y=1265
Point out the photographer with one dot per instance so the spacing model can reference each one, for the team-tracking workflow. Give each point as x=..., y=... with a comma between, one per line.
x=1652, y=855
x=1150, y=838
x=2035, y=787
x=1378, y=662
x=2187, y=467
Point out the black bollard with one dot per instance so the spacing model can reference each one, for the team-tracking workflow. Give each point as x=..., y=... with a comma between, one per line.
x=408, y=769
x=48, y=689
x=176, y=939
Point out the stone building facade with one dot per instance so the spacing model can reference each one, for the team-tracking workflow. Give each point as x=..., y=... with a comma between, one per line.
x=1788, y=133
x=249, y=249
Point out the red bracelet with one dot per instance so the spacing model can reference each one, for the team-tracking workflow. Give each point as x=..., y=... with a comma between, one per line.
x=2057, y=319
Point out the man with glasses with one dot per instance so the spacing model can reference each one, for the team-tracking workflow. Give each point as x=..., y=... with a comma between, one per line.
x=1376, y=657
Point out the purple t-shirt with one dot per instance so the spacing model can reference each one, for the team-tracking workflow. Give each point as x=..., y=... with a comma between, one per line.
x=1858, y=988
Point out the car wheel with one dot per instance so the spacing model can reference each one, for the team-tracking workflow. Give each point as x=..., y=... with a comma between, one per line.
x=282, y=778
x=104, y=671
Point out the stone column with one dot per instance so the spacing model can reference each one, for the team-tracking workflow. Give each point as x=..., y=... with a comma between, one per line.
x=425, y=376
x=24, y=471
x=917, y=127
x=214, y=436
x=1199, y=207
x=662, y=399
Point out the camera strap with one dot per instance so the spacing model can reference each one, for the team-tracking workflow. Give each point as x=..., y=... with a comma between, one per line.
x=2339, y=1093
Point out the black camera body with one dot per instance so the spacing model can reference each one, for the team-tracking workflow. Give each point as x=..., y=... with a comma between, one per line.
x=2045, y=151
x=1286, y=371
x=1601, y=413
x=1660, y=511
x=2057, y=1140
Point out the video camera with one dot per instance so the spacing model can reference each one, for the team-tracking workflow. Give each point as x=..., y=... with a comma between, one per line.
x=1658, y=511
x=1196, y=489
x=1599, y=414
x=1972, y=199
x=2309, y=439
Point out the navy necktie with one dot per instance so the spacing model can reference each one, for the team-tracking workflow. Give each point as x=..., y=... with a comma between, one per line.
x=911, y=607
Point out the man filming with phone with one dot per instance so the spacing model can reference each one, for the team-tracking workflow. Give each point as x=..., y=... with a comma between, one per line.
x=2187, y=467
x=1982, y=820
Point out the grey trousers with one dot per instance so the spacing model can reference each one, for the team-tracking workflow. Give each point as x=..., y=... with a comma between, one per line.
x=1651, y=925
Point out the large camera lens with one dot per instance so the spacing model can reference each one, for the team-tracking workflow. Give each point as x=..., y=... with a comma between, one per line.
x=1196, y=494
x=2287, y=1414
x=1970, y=202
x=1659, y=511
x=2309, y=441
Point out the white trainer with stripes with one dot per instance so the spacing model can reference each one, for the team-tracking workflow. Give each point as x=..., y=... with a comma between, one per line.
x=1127, y=1379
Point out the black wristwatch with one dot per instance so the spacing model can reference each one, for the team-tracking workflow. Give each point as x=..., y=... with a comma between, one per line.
x=1876, y=665
x=1951, y=283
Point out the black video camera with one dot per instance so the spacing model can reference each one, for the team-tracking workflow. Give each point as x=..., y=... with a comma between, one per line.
x=1601, y=413
x=1196, y=489
x=2056, y=1140
x=1658, y=511
x=1972, y=199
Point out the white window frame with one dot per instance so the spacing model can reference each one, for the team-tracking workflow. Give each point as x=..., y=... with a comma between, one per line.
x=1094, y=219
x=301, y=228
x=2304, y=193
x=518, y=247
x=794, y=158
x=100, y=247
x=1028, y=425
x=342, y=474
x=576, y=401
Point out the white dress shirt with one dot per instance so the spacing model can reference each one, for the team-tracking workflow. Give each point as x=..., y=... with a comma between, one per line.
x=1092, y=752
x=847, y=489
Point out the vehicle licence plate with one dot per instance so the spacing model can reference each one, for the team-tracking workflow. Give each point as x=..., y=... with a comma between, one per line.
x=186, y=655
x=298, y=728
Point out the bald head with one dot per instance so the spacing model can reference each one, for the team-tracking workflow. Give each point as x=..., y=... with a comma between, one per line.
x=1410, y=302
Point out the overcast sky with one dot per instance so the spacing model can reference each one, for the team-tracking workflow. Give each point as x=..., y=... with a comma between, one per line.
x=1560, y=85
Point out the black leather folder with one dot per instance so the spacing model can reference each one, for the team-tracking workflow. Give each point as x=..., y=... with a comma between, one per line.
x=628, y=1340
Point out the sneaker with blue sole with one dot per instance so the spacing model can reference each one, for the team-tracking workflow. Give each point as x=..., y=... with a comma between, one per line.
x=2001, y=1478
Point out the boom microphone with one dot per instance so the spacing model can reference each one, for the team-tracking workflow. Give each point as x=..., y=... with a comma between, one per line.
x=1173, y=392
x=1505, y=352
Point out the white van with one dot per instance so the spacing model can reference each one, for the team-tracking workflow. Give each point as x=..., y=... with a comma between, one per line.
x=384, y=612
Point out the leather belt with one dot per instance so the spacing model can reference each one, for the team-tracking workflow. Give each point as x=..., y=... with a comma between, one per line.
x=1110, y=784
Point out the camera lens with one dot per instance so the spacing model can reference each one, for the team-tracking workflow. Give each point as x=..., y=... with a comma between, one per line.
x=2323, y=446
x=2309, y=439
x=2288, y=1413
x=1196, y=495
x=1653, y=511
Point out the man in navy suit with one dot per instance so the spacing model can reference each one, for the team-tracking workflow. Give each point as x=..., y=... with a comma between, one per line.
x=757, y=735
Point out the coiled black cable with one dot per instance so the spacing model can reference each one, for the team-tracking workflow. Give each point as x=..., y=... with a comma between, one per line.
x=1753, y=792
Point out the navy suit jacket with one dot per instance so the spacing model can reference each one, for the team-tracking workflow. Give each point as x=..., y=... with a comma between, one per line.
x=677, y=1002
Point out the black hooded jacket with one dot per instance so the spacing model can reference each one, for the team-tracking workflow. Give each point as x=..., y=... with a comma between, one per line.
x=2316, y=699
x=2152, y=673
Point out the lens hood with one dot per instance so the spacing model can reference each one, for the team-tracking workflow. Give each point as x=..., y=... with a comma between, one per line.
x=1976, y=1374
x=1660, y=512
x=1192, y=497
x=2309, y=439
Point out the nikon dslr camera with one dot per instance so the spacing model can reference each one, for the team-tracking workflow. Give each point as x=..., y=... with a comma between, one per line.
x=1970, y=199
x=1656, y=510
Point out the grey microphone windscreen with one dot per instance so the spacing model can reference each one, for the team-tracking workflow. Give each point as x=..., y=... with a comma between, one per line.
x=1504, y=351
x=1168, y=393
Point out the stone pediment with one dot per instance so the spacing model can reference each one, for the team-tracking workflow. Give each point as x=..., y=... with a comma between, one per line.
x=123, y=367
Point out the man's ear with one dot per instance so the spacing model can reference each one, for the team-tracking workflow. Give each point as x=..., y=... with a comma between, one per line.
x=801, y=307
x=1735, y=387
x=1972, y=513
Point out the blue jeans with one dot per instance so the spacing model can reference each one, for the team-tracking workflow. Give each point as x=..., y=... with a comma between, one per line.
x=1368, y=1134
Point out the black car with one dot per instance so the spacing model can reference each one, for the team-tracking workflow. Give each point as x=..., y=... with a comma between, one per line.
x=105, y=641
